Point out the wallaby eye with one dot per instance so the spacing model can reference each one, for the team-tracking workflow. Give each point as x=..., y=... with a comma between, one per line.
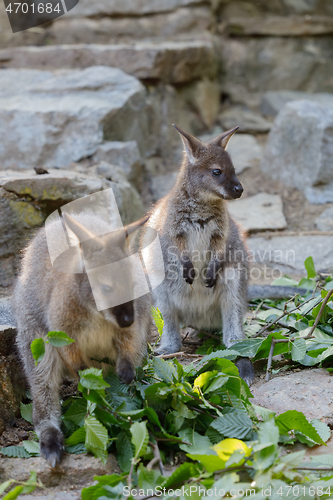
x=216, y=172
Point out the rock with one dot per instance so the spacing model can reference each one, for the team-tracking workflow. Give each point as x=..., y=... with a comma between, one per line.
x=26, y=199
x=307, y=391
x=258, y=213
x=2, y=426
x=124, y=154
x=281, y=26
x=12, y=386
x=57, y=118
x=74, y=473
x=244, y=149
x=86, y=8
x=273, y=101
x=256, y=65
x=177, y=24
x=286, y=254
x=162, y=184
x=174, y=62
x=247, y=121
x=325, y=220
x=299, y=149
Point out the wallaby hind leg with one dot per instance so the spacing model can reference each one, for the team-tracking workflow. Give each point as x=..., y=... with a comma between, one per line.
x=171, y=340
x=233, y=309
x=44, y=380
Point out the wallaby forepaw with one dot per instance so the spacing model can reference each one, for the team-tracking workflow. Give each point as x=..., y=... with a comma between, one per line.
x=210, y=282
x=52, y=445
x=126, y=374
x=246, y=370
x=188, y=271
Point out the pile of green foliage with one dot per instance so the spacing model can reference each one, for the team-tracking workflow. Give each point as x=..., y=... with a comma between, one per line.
x=200, y=416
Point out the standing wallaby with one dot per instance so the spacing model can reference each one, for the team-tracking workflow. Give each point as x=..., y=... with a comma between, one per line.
x=204, y=255
x=47, y=300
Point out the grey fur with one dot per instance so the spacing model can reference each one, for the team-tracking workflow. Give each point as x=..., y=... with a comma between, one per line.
x=46, y=300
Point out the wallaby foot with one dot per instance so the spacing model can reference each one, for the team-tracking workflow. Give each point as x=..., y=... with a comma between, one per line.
x=51, y=445
x=126, y=371
x=246, y=370
x=211, y=274
x=169, y=346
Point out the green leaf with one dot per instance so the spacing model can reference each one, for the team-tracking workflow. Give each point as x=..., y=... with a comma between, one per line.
x=78, y=436
x=96, y=434
x=165, y=370
x=227, y=354
x=297, y=421
x=140, y=438
x=59, y=339
x=14, y=493
x=284, y=281
x=199, y=444
x=310, y=268
x=31, y=447
x=298, y=349
x=124, y=451
x=158, y=319
x=26, y=412
x=14, y=452
x=77, y=412
x=92, y=378
x=38, y=349
x=5, y=485
x=181, y=474
x=248, y=348
x=234, y=425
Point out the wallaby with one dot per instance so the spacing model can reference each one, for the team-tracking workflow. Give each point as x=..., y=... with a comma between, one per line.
x=204, y=254
x=47, y=300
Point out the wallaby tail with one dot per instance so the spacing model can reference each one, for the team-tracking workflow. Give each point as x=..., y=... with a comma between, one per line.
x=6, y=313
x=255, y=292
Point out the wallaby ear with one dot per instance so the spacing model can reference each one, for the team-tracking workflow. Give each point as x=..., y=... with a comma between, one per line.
x=77, y=232
x=223, y=139
x=192, y=145
x=135, y=225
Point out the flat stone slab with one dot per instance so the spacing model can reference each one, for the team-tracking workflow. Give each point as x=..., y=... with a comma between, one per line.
x=287, y=253
x=258, y=213
x=244, y=149
x=307, y=391
x=281, y=26
x=174, y=62
x=245, y=119
x=325, y=220
x=74, y=473
x=86, y=8
x=274, y=100
x=54, y=118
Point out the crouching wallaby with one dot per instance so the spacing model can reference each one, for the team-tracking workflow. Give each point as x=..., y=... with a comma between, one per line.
x=204, y=254
x=47, y=300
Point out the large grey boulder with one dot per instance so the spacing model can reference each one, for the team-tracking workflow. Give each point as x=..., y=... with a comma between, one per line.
x=273, y=101
x=53, y=118
x=324, y=221
x=248, y=121
x=26, y=199
x=300, y=148
x=124, y=154
x=174, y=62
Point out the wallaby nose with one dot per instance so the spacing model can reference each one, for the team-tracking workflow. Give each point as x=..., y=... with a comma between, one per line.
x=126, y=320
x=238, y=190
